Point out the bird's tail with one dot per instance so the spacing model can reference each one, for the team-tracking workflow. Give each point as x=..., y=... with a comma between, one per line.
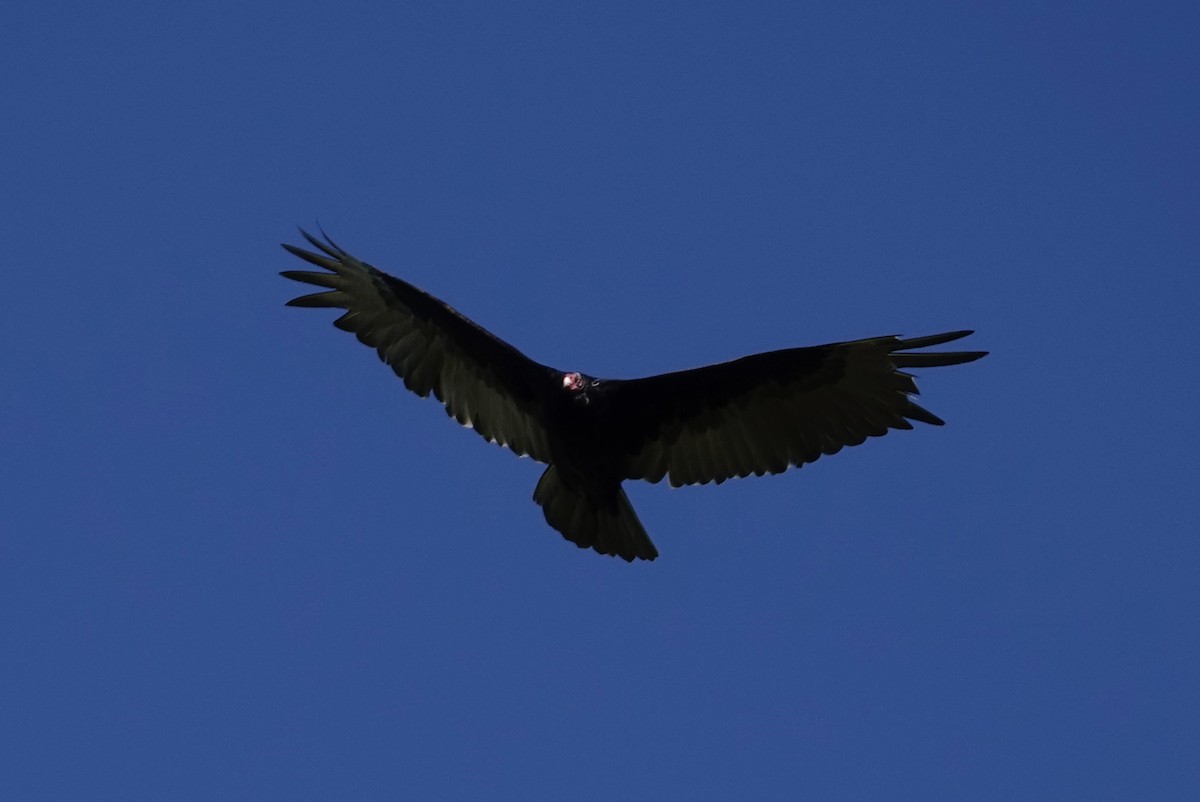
x=607, y=524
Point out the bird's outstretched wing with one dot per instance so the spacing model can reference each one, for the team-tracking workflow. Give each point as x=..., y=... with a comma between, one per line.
x=484, y=382
x=767, y=412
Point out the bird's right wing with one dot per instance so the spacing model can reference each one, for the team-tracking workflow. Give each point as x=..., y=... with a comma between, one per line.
x=767, y=412
x=484, y=382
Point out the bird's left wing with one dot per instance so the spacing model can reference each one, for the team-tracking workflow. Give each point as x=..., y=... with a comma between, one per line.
x=484, y=382
x=766, y=412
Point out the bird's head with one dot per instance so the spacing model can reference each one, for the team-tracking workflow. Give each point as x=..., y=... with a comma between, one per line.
x=574, y=382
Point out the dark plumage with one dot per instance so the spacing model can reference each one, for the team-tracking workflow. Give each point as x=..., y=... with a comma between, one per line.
x=755, y=415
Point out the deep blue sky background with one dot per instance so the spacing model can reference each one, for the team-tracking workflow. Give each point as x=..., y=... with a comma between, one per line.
x=239, y=560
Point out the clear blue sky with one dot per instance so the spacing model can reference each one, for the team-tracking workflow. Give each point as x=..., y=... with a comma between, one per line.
x=239, y=561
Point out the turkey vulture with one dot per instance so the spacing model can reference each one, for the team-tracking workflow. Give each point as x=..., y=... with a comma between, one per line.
x=754, y=415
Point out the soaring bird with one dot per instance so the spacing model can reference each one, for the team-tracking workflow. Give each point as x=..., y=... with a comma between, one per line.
x=759, y=414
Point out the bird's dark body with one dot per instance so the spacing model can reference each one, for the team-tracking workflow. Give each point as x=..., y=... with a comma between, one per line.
x=582, y=432
x=759, y=414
